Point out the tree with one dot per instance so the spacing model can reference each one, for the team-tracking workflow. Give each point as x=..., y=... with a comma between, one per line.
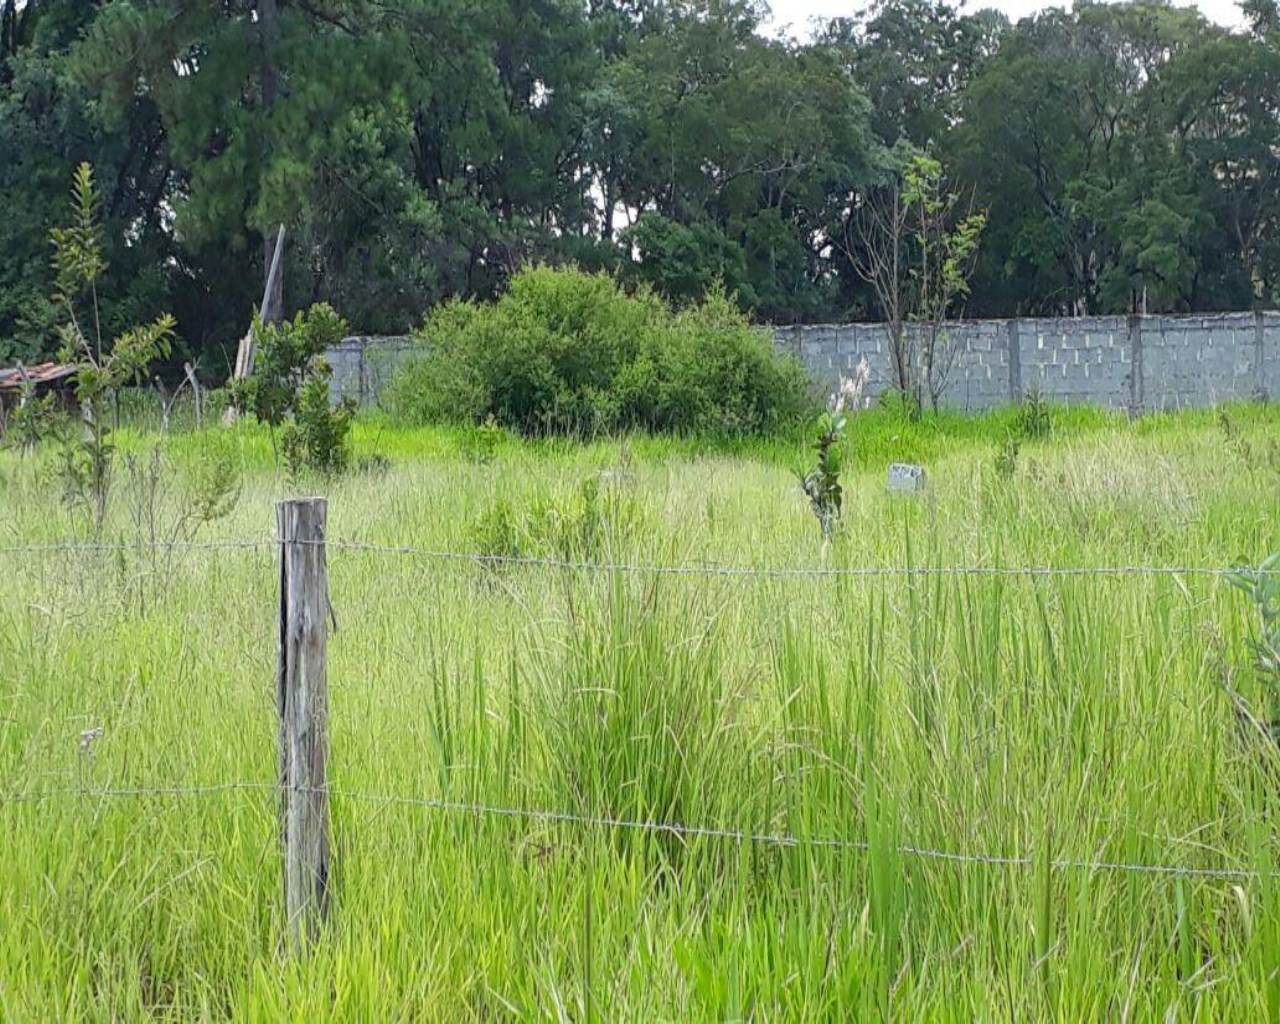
x=739, y=147
x=100, y=370
x=423, y=150
x=1126, y=155
x=289, y=388
x=1222, y=108
x=914, y=243
x=246, y=94
x=915, y=58
x=48, y=122
x=684, y=262
x=287, y=354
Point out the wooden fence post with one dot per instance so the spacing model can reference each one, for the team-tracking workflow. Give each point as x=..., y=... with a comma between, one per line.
x=303, y=699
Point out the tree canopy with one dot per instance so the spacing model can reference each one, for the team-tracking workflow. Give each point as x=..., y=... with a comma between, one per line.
x=1126, y=156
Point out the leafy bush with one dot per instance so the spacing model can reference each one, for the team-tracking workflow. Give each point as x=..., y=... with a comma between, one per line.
x=285, y=356
x=290, y=385
x=317, y=438
x=568, y=352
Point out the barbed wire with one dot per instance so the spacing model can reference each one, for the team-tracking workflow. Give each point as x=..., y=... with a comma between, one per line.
x=704, y=569
x=713, y=569
x=118, y=792
x=679, y=830
x=110, y=547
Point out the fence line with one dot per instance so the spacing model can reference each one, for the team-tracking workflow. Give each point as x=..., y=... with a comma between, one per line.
x=109, y=547
x=814, y=572
x=649, y=569
x=301, y=685
x=677, y=829
x=123, y=792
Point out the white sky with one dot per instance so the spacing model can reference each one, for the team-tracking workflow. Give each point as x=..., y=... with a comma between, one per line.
x=794, y=16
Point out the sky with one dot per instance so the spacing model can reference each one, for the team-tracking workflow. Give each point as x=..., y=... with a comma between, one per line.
x=799, y=13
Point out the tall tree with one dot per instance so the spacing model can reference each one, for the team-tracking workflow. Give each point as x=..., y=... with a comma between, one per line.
x=915, y=58
x=246, y=93
x=1126, y=154
x=423, y=149
x=49, y=122
x=737, y=148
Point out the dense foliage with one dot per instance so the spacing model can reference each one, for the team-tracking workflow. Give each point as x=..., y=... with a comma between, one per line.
x=568, y=352
x=289, y=387
x=1125, y=155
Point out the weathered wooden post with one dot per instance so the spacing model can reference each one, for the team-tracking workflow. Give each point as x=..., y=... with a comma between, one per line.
x=197, y=391
x=303, y=699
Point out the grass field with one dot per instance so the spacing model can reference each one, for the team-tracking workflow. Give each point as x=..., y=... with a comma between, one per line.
x=1062, y=726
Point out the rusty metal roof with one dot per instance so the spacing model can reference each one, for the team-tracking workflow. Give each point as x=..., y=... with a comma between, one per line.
x=41, y=373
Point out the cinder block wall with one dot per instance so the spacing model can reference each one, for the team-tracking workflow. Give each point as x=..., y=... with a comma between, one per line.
x=363, y=365
x=1136, y=363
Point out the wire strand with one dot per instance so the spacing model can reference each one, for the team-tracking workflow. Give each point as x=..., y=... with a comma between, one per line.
x=107, y=547
x=652, y=569
x=711, y=569
x=682, y=831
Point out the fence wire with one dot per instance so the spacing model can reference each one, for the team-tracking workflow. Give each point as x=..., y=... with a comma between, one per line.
x=110, y=547
x=700, y=569
x=677, y=829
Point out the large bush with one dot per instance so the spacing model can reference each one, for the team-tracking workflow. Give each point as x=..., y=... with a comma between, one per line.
x=568, y=352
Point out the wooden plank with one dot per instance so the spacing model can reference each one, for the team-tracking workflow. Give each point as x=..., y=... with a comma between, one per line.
x=302, y=694
x=244, y=351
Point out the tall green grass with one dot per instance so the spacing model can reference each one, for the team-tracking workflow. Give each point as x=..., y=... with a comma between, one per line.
x=879, y=722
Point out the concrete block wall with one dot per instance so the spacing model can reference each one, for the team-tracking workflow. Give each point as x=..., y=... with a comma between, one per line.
x=831, y=350
x=1191, y=361
x=1135, y=363
x=1086, y=360
x=363, y=365
x=984, y=360
x=1268, y=346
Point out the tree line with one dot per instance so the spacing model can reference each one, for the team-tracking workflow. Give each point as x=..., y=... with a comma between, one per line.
x=1124, y=157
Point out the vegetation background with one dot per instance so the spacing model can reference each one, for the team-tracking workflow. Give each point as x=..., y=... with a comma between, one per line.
x=424, y=150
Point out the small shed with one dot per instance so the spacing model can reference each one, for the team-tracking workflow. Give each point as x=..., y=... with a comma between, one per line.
x=45, y=378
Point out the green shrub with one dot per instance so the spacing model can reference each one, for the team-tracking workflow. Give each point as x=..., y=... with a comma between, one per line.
x=317, y=438
x=289, y=386
x=572, y=353
x=286, y=356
